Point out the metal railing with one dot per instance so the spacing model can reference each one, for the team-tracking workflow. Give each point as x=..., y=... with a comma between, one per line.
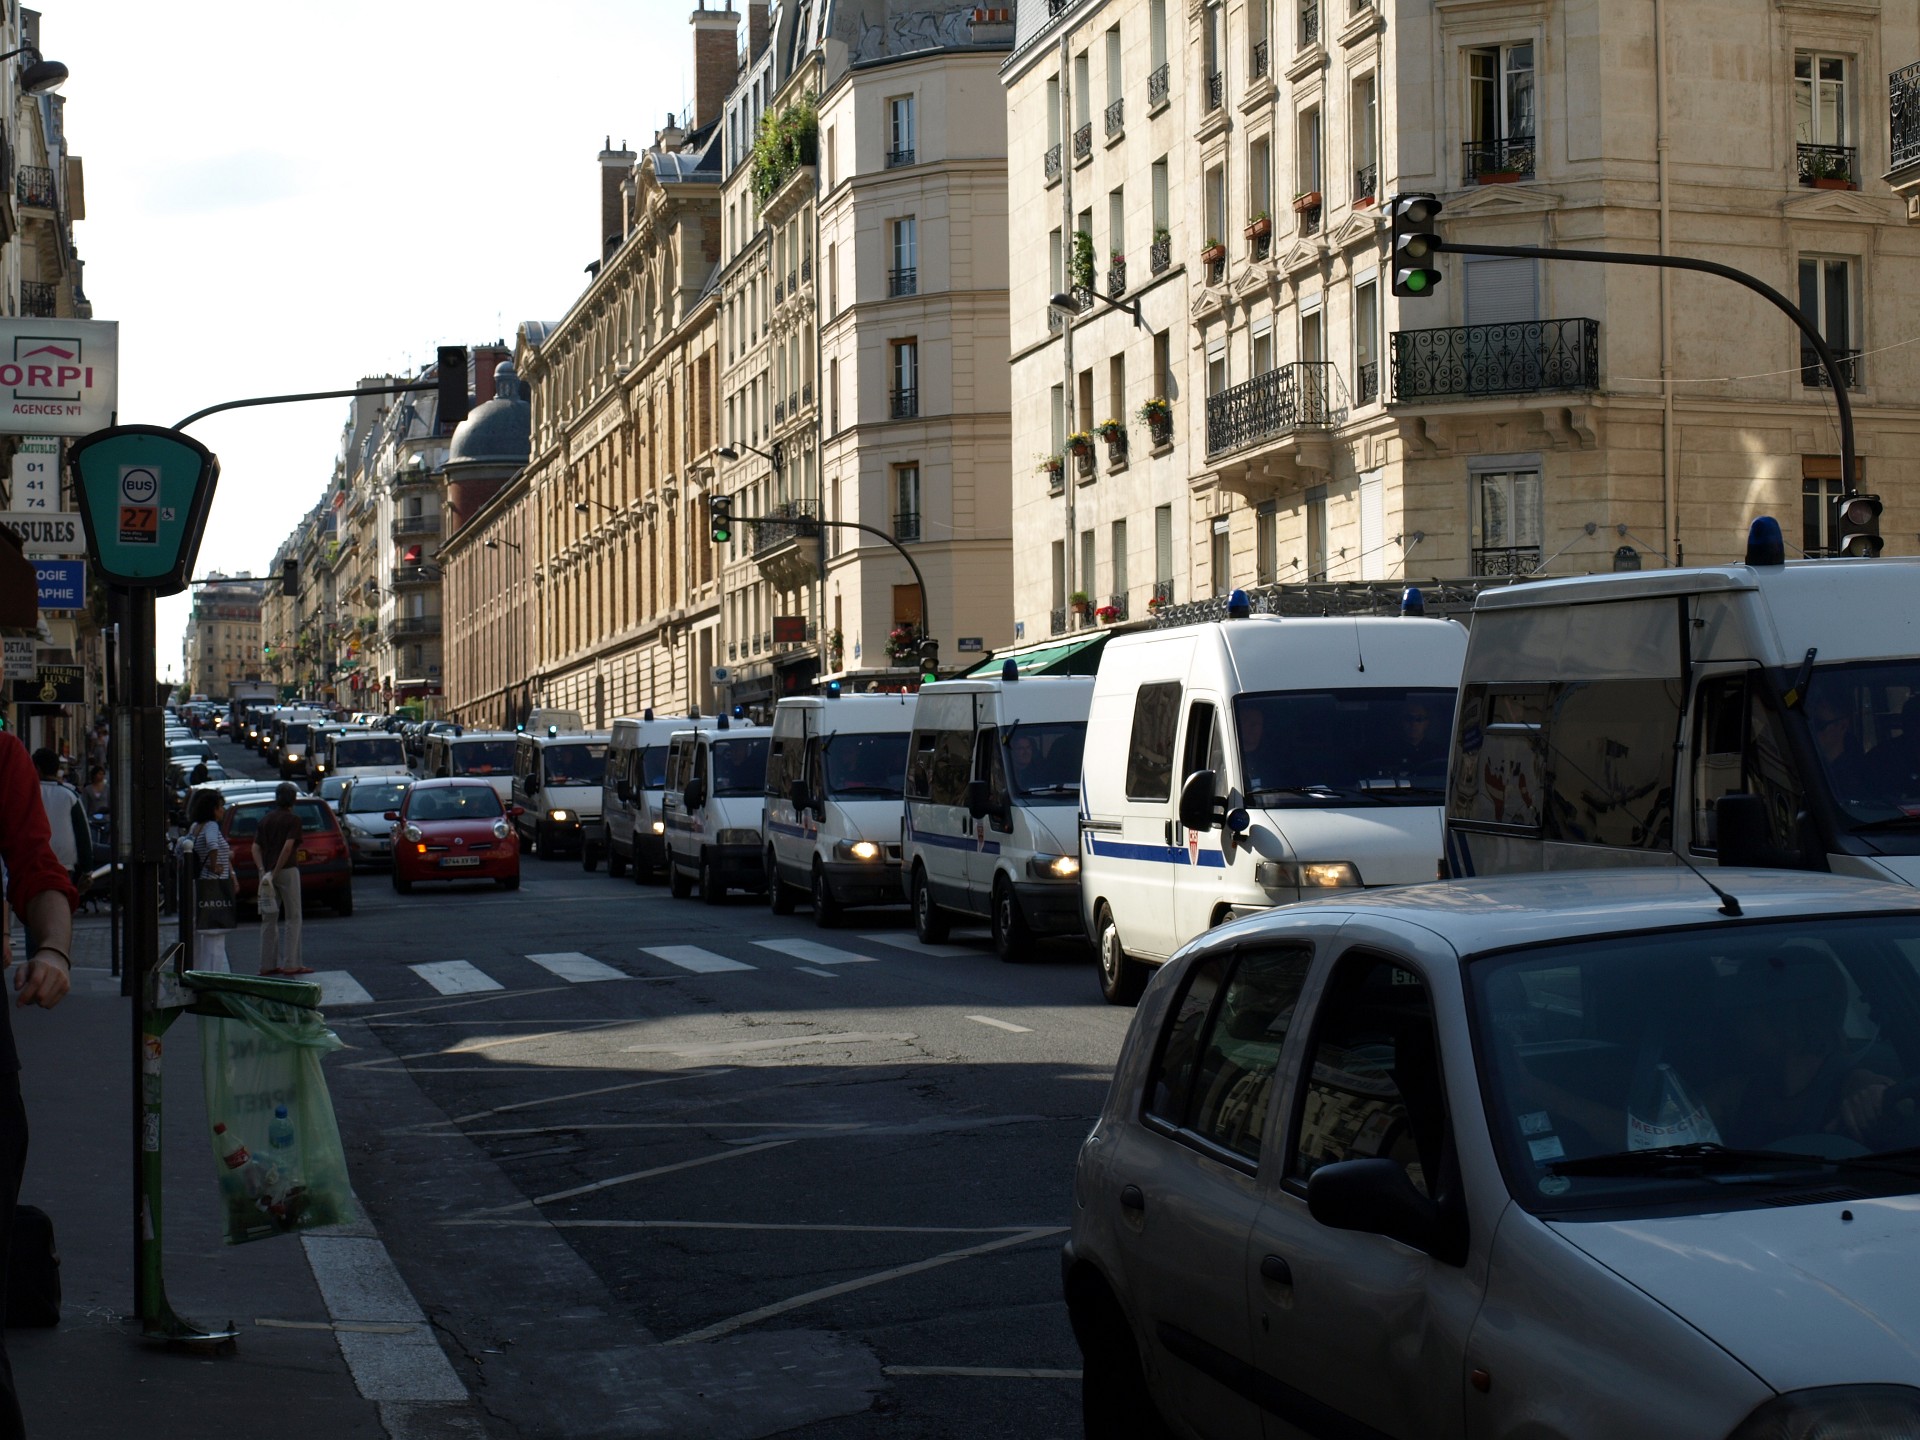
x=1903, y=114
x=1162, y=592
x=793, y=282
x=1262, y=58
x=1057, y=621
x=1117, y=604
x=1052, y=163
x=806, y=269
x=411, y=479
x=1366, y=383
x=1309, y=23
x=407, y=627
x=793, y=403
x=779, y=411
x=903, y=280
x=1160, y=255
x=1216, y=90
x=33, y=184
x=806, y=393
x=1262, y=245
x=1083, y=143
x=1157, y=82
x=897, y=158
x=1827, y=162
x=1287, y=398
x=904, y=404
x=1116, y=279
x=1310, y=216
x=1507, y=560
x=788, y=522
x=1366, y=182
x=1117, y=116
x=39, y=299
x=1493, y=159
x=1216, y=270
x=1814, y=375
x=405, y=576
x=906, y=526
x=404, y=525
x=1513, y=359
x=779, y=292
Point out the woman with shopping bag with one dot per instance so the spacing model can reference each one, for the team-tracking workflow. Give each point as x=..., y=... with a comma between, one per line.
x=213, y=886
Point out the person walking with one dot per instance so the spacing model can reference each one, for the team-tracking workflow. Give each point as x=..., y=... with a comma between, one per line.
x=205, y=812
x=274, y=848
x=71, y=835
x=96, y=794
x=43, y=897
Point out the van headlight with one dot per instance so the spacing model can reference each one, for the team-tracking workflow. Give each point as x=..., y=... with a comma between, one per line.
x=1054, y=867
x=739, y=837
x=659, y=827
x=1307, y=874
x=855, y=850
x=559, y=816
x=1835, y=1412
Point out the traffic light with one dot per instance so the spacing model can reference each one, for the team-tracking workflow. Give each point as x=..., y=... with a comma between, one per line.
x=720, y=517
x=1415, y=244
x=929, y=660
x=289, y=577
x=1857, y=527
x=452, y=377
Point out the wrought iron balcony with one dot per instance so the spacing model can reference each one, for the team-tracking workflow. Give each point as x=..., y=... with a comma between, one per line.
x=1288, y=398
x=1494, y=160
x=1839, y=164
x=412, y=577
x=1310, y=216
x=793, y=282
x=1366, y=383
x=1507, y=560
x=1262, y=245
x=906, y=526
x=793, y=404
x=405, y=525
x=806, y=393
x=1814, y=375
x=790, y=520
x=1903, y=114
x=1160, y=255
x=1117, y=604
x=1117, y=116
x=904, y=404
x=1262, y=58
x=1517, y=359
x=806, y=269
x=1162, y=593
x=1366, y=182
x=897, y=158
x=33, y=184
x=1216, y=90
x=1309, y=23
x=903, y=280
x=39, y=299
x=779, y=292
x=1116, y=279
x=1083, y=143
x=1054, y=7
x=412, y=478
x=1053, y=162
x=409, y=627
x=779, y=411
x=1057, y=621
x=1157, y=83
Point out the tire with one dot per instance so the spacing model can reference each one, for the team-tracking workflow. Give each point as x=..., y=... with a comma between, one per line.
x=1115, y=1402
x=678, y=885
x=827, y=911
x=1012, y=938
x=780, y=896
x=343, y=901
x=402, y=884
x=511, y=882
x=930, y=923
x=590, y=858
x=1122, y=977
x=616, y=866
x=712, y=892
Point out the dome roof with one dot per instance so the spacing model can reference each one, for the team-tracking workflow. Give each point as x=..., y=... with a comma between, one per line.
x=501, y=429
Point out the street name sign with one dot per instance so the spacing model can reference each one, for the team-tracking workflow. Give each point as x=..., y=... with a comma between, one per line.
x=58, y=377
x=144, y=494
x=47, y=534
x=63, y=584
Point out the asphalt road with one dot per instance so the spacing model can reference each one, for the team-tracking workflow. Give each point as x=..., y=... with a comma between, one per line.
x=656, y=1167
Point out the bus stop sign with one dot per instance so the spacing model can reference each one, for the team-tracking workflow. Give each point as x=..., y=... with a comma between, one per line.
x=144, y=493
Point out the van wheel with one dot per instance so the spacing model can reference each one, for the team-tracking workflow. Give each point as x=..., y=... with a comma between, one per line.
x=780, y=896
x=616, y=865
x=1012, y=938
x=711, y=890
x=930, y=923
x=678, y=885
x=1122, y=977
x=826, y=909
x=590, y=858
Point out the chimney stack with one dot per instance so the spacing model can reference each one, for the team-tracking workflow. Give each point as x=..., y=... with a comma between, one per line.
x=756, y=28
x=614, y=166
x=716, y=62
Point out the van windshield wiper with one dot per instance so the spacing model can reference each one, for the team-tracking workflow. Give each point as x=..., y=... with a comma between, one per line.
x=1890, y=822
x=1062, y=788
x=1697, y=1158
x=1309, y=792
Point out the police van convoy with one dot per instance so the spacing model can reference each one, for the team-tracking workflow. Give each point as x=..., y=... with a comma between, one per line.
x=992, y=807
x=835, y=771
x=1765, y=714
x=715, y=781
x=556, y=784
x=633, y=825
x=478, y=754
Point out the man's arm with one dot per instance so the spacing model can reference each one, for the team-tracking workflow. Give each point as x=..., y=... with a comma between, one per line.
x=48, y=974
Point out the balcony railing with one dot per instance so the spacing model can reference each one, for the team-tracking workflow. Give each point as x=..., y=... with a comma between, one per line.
x=1157, y=83
x=904, y=404
x=1814, y=375
x=404, y=525
x=897, y=158
x=407, y=627
x=806, y=393
x=39, y=299
x=1494, y=160
x=1838, y=163
x=779, y=292
x=1057, y=621
x=1054, y=7
x=779, y=411
x=1162, y=593
x=906, y=526
x=806, y=268
x=789, y=520
x=903, y=280
x=1514, y=359
x=1117, y=116
x=1309, y=23
x=1053, y=162
x=1262, y=245
x=1288, y=398
x=1160, y=255
x=412, y=478
x=1903, y=114
x=1310, y=216
x=33, y=184
x=409, y=576
x=793, y=403
x=1117, y=604
x=1507, y=560
x=1366, y=182
x=793, y=282
x=1116, y=279
x=1262, y=58
x=1083, y=143
x=1216, y=90
x=1366, y=383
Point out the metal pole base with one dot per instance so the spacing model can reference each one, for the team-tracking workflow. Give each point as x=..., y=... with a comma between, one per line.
x=176, y=1333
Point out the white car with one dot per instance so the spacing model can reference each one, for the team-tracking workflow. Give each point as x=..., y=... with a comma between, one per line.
x=1577, y=1154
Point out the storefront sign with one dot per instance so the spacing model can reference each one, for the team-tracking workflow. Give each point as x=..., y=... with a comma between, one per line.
x=58, y=377
x=19, y=663
x=52, y=685
x=63, y=584
x=36, y=473
x=48, y=534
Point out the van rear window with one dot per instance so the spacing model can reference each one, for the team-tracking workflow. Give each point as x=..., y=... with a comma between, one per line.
x=582, y=764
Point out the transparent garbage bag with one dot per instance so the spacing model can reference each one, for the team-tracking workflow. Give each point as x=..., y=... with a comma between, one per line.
x=276, y=1145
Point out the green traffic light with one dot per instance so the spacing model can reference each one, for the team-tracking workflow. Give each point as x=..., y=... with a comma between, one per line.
x=1416, y=281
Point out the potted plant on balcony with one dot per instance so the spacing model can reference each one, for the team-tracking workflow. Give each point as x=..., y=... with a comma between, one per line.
x=1107, y=614
x=1051, y=466
x=1213, y=252
x=1825, y=170
x=1080, y=603
x=903, y=641
x=1156, y=602
x=1082, y=260
x=1157, y=413
x=1080, y=446
x=836, y=646
x=1260, y=226
x=1492, y=167
x=1306, y=200
x=1115, y=434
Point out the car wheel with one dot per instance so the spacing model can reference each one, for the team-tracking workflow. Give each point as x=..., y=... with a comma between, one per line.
x=1012, y=939
x=826, y=910
x=1115, y=1402
x=509, y=882
x=1122, y=977
x=678, y=885
x=779, y=893
x=343, y=900
x=401, y=883
x=930, y=923
x=711, y=889
x=616, y=866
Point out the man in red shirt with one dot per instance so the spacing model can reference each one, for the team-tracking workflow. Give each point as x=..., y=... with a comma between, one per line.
x=43, y=897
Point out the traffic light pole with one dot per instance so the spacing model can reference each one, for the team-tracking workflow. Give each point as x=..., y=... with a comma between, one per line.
x=1808, y=330
x=926, y=622
x=308, y=395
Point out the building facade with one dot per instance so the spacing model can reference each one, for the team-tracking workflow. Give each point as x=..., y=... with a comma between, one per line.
x=222, y=642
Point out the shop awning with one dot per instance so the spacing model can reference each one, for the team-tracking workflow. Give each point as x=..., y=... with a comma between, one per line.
x=1080, y=656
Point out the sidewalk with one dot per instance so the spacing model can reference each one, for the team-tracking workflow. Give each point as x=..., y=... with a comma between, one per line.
x=92, y=1378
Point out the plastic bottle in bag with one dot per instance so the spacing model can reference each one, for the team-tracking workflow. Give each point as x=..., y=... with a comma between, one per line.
x=283, y=1145
x=244, y=1178
x=1667, y=1115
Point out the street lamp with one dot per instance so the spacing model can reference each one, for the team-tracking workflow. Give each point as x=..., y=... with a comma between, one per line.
x=496, y=544
x=1064, y=304
x=38, y=76
x=582, y=507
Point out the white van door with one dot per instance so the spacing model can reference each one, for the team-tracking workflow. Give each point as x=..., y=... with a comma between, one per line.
x=1153, y=843
x=1200, y=877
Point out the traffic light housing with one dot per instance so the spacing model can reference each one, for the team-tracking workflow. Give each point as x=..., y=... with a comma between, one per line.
x=929, y=660
x=1416, y=244
x=1857, y=525
x=720, y=517
x=289, y=577
x=451, y=375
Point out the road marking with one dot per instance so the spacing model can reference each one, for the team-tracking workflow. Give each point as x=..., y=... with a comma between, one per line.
x=474, y=1047
x=649, y=1174
x=816, y=952
x=746, y=1047
x=583, y=1095
x=544, y=1223
x=361, y=1287
x=823, y=974
x=338, y=988
x=359, y=1327
x=692, y=957
x=1002, y=1024
x=456, y=977
x=980, y=1372
x=908, y=942
x=580, y=969
x=846, y=1287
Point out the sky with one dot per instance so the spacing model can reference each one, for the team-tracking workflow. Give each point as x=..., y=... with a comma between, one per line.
x=283, y=198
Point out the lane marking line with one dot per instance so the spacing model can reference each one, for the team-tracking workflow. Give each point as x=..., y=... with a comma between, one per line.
x=456, y=977
x=359, y=1327
x=981, y=1372
x=360, y=1285
x=814, y=951
x=583, y=1095
x=338, y=988
x=1001, y=1024
x=437, y=1006
x=580, y=969
x=809, y=970
x=692, y=957
x=907, y=942
x=696, y=1049
x=746, y=1225
x=847, y=1287
x=614, y=1180
x=475, y=1047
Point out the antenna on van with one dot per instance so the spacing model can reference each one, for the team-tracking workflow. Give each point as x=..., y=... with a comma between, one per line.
x=1359, y=652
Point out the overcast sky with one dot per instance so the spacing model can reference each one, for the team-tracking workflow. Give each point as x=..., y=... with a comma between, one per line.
x=285, y=198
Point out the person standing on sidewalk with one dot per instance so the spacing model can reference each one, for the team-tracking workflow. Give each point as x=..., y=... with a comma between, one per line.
x=71, y=835
x=41, y=894
x=209, y=840
x=274, y=848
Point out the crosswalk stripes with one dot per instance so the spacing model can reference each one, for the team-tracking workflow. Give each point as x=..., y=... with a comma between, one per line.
x=338, y=988
x=692, y=957
x=907, y=941
x=456, y=977
x=814, y=953
x=578, y=969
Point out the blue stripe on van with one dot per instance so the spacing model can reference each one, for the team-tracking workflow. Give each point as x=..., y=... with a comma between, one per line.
x=1156, y=854
x=781, y=827
x=948, y=842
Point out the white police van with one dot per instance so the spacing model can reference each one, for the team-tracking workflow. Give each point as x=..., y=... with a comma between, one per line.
x=715, y=781
x=556, y=784
x=1237, y=765
x=632, y=813
x=993, y=784
x=474, y=754
x=835, y=776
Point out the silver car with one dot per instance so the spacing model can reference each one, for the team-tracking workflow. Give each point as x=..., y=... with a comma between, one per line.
x=363, y=807
x=1550, y=1155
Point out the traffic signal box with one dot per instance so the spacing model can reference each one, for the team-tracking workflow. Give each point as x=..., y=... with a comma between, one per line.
x=1857, y=526
x=1416, y=244
x=720, y=517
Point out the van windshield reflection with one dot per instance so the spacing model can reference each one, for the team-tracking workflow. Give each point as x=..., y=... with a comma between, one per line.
x=1043, y=758
x=1384, y=745
x=1865, y=724
x=867, y=767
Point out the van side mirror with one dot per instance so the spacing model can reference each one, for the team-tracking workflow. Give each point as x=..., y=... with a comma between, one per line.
x=1198, y=810
x=695, y=795
x=1743, y=835
x=798, y=797
x=977, y=805
x=624, y=791
x=1375, y=1197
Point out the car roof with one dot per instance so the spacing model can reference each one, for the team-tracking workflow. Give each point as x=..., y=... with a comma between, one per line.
x=441, y=782
x=1499, y=912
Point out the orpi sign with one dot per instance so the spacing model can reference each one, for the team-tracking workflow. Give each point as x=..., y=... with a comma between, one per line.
x=58, y=377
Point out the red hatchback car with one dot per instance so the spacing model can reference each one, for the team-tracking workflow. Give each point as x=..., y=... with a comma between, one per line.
x=454, y=829
x=326, y=869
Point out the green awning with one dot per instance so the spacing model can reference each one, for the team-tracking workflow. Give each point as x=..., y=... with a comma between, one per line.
x=1049, y=657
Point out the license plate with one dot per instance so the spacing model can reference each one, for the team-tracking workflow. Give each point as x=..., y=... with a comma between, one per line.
x=453, y=861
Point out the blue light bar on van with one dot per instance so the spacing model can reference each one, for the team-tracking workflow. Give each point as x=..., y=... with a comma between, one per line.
x=1412, y=602
x=1765, y=544
x=1010, y=670
x=1238, y=606
x=833, y=690
x=647, y=714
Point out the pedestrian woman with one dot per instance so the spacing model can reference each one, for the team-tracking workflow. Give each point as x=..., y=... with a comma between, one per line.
x=204, y=814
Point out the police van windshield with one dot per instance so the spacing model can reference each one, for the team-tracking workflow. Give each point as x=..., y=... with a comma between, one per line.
x=652, y=767
x=581, y=764
x=867, y=767
x=296, y=733
x=481, y=757
x=1380, y=746
x=1043, y=758
x=740, y=766
x=1865, y=724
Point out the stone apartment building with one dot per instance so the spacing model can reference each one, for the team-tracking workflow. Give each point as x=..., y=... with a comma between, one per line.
x=1525, y=416
x=222, y=640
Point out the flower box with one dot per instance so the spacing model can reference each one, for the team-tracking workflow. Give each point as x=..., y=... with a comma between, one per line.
x=1214, y=253
x=1833, y=182
x=1261, y=226
x=1309, y=200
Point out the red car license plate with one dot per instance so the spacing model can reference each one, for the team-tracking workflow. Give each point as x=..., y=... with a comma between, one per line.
x=451, y=861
